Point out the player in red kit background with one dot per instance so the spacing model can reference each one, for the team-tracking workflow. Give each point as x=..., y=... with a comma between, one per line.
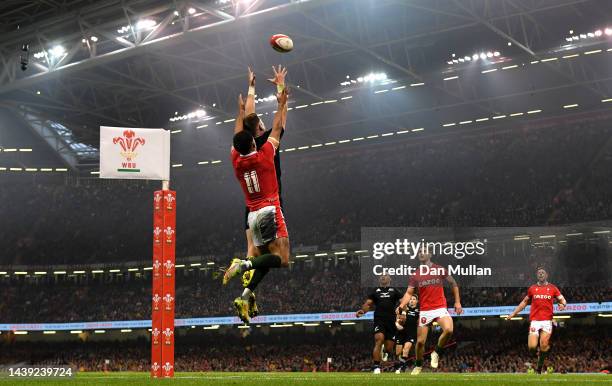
x=256, y=173
x=433, y=307
x=542, y=296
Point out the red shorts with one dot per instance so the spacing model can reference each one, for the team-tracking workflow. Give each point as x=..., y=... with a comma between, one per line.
x=267, y=224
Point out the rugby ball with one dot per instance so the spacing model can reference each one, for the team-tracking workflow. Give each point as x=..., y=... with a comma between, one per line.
x=281, y=43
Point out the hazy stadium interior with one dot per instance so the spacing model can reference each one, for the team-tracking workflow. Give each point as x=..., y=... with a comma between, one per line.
x=415, y=113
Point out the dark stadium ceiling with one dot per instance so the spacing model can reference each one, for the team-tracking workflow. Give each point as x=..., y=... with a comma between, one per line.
x=138, y=63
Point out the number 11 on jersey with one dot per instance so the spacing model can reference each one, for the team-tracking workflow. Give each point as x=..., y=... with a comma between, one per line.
x=251, y=181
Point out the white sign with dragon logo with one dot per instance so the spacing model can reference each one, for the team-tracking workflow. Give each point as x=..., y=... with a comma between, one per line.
x=134, y=153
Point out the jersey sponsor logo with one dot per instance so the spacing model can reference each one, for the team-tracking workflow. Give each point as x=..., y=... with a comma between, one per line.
x=536, y=296
x=430, y=282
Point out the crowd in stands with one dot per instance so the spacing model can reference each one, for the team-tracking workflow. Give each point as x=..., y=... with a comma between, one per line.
x=522, y=177
x=319, y=285
x=490, y=349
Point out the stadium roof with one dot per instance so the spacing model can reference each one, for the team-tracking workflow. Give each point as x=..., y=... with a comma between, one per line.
x=380, y=66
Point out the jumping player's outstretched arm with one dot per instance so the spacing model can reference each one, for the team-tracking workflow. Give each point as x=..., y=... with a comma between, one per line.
x=249, y=107
x=519, y=308
x=455, y=288
x=277, y=124
x=239, y=125
x=279, y=80
x=405, y=300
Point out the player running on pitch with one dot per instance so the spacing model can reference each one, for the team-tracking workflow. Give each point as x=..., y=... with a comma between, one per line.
x=542, y=296
x=433, y=308
x=406, y=326
x=256, y=173
x=248, y=119
x=384, y=298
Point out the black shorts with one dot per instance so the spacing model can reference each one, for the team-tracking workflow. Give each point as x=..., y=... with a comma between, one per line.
x=386, y=327
x=403, y=337
x=247, y=211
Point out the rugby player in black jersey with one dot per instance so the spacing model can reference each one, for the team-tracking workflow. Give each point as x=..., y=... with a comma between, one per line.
x=405, y=337
x=384, y=299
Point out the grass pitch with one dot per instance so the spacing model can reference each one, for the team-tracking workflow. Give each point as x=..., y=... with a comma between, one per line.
x=297, y=379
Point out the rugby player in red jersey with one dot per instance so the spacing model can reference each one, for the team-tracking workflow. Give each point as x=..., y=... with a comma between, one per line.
x=542, y=296
x=430, y=284
x=256, y=173
x=248, y=119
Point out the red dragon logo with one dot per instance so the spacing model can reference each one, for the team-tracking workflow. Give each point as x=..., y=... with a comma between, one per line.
x=129, y=143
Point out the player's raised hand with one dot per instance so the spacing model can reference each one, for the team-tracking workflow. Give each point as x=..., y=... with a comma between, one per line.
x=251, y=77
x=279, y=75
x=359, y=313
x=458, y=308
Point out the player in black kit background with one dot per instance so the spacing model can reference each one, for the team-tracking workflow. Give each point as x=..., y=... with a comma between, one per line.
x=405, y=337
x=385, y=299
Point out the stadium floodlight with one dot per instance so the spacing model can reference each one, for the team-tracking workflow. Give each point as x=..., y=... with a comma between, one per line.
x=489, y=54
x=126, y=330
x=483, y=56
x=76, y=331
x=598, y=33
x=191, y=11
x=57, y=51
x=49, y=332
x=608, y=31
x=145, y=24
x=20, y=333
x=93, y=39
